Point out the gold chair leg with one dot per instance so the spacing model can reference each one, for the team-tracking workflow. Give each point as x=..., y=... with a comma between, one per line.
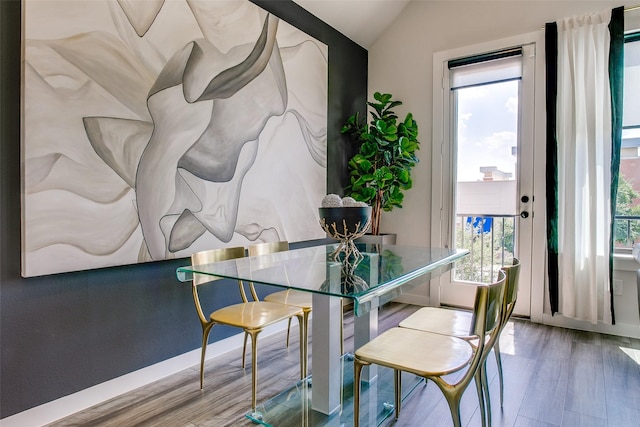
x=453, y=397
x=454, y=407
x=480, y=391
x=485, y=384
x=397, y=388
x=254, y=369
x=206, y=329
x=455, y=413
x=244, y=348
x=289, y=331
x=357, y=372
x=496, y=351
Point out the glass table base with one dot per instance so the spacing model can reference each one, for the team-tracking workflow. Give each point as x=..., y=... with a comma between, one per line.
x=292, y=407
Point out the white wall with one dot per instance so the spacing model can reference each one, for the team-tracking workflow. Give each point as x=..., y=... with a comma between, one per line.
x=401, y=63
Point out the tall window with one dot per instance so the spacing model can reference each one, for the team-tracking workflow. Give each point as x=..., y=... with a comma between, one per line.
x=628, y=203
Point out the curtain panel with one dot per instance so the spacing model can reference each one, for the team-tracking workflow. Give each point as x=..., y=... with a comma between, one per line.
x=616, y=79
x=551, y=70
x=582, y=161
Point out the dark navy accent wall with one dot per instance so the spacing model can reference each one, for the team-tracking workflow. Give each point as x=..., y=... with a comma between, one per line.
x=63, y=333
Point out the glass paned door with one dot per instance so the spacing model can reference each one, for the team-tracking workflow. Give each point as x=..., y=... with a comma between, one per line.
x=488, y=142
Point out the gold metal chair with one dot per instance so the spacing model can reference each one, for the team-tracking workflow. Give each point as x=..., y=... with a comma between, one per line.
x=290, y=297
x=251, y=316
x=456, y=323
x=432, y=355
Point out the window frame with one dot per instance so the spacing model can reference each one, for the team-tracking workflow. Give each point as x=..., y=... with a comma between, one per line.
x=442, y=167
x=632, y=37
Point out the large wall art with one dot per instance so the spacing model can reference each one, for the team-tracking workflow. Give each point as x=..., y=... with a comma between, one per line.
x=153, y=129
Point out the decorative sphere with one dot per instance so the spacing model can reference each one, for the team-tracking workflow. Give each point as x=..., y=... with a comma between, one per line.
x=331, y=201
x=349, y=202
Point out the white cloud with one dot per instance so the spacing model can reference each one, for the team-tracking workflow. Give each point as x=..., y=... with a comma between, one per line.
x=512, y=104
x=463, y=118
x=500, y=140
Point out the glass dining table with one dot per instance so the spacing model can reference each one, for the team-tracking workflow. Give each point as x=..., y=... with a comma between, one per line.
x=378, y=275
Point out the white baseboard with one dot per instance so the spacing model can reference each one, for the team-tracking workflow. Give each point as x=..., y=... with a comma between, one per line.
x=413, y=299
x=619, y=329
x=68, y=405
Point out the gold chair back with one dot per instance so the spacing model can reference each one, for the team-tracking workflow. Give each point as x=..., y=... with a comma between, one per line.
x=488, y=305
x=268, y=248
x=511, y=291
x=264, y=249
x=208, y=257
x=213, y=255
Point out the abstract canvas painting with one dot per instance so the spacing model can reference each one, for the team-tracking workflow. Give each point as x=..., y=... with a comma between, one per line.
x=153, y=129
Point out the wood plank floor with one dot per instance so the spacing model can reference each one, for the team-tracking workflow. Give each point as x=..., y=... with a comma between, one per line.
x=553, y=377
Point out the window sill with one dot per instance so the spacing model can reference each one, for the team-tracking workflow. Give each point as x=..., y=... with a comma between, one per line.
x=625, y=262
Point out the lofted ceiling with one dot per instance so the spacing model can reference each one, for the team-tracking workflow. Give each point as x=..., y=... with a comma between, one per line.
x=363, y=21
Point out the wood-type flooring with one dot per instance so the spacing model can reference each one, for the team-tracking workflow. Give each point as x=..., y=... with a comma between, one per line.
x=553, y=377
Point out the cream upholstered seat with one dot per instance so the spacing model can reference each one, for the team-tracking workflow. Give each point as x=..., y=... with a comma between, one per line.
x=433, y=356
x=251, y=316
x=456, y=323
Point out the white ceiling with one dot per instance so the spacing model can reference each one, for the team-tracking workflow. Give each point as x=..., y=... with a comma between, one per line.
x=363, y=21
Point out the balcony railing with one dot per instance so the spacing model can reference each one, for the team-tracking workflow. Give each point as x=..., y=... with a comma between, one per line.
x=490, y=240
x=627, y=231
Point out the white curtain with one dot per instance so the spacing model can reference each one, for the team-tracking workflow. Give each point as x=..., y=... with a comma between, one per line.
x=584, y=159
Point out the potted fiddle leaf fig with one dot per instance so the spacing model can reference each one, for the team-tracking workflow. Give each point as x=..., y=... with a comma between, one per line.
x=381, y=170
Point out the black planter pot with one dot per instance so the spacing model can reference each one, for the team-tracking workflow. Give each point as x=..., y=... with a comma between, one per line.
x=347, y=220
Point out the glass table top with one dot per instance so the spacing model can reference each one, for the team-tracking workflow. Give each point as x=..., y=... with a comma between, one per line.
x=382, y=272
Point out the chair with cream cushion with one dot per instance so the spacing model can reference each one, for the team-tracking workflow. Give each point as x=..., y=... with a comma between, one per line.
x=251, y=316
x=433, y=356
x=290, y=297
x=456, y=322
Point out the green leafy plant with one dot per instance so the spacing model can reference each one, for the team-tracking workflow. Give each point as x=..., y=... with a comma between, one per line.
x=381, y=170
x=627, y=231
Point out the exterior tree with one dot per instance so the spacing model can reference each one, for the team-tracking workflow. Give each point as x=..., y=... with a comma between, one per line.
x=627, y=205
x=488, y=250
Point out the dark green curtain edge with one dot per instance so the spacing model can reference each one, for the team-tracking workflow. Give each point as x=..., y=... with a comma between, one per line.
x=616, y=80
x=551, y=78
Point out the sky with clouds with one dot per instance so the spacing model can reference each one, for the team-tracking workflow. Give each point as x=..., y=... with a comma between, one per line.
x=487, y=128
